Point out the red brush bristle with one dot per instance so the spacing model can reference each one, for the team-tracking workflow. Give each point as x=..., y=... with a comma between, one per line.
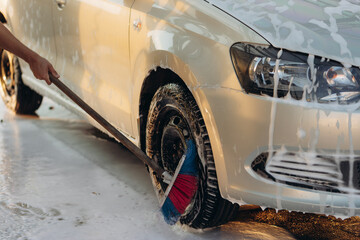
x=183, y=191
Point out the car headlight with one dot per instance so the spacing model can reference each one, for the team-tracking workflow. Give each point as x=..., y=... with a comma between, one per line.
x=299, y=75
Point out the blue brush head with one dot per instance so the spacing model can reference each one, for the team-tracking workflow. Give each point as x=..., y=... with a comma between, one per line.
x=190, y=165
x=171, y=214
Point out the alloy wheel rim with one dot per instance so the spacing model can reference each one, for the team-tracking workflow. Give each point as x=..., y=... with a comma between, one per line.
x=173, y=142
x=7, y=78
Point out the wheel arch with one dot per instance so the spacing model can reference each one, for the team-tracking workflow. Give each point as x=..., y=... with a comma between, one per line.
x=156, y=79
x=170, y=69
x=2, y=18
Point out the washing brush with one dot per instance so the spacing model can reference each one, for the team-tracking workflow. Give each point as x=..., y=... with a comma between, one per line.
x=182, y=185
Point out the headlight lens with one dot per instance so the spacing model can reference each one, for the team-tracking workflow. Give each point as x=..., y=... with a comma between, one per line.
x=299, y=75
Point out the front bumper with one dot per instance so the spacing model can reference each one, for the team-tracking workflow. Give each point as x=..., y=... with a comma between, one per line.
x=289, y=132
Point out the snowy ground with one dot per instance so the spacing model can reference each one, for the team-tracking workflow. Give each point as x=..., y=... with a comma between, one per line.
x=59, y=179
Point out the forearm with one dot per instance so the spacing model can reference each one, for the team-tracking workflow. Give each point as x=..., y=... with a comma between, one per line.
x=38, y=65
x=12, y=44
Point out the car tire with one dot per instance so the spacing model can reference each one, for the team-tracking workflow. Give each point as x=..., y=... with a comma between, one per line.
x=16, y=95
x=173, y=118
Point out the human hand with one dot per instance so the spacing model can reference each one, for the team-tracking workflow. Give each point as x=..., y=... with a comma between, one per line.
x=41, y=68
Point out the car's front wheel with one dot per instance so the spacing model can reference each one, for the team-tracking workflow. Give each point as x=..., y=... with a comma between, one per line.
x=16, y=95
x=173, y=118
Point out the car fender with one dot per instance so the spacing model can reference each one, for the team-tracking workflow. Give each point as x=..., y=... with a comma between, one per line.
x=192, y=39
x=167, y=60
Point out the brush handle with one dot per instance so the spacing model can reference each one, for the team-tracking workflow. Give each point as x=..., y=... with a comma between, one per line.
x=110, y=128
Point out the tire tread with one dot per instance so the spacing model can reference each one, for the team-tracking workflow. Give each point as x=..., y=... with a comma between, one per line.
x=214, y=209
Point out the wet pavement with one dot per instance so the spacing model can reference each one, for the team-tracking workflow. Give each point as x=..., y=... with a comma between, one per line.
x=62, y=179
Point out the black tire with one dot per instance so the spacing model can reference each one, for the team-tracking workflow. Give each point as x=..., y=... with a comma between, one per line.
x=16, y=95
x=173, y=118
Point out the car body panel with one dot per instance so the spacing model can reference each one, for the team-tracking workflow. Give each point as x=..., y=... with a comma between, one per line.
x=184, y=36
x=304, y=26
x=326, y=132
x=93, y=55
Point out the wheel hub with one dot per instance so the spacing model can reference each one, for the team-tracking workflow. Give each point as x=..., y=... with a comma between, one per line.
x=173, y=143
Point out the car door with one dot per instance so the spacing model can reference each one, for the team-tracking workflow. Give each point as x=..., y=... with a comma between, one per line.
x=93, y=55
x=29, y=21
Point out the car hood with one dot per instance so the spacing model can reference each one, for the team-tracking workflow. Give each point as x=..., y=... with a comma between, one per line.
x=326, y=28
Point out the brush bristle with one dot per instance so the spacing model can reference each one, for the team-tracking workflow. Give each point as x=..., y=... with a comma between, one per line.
x=170, y=213
x=184, y=188
x=183, y=191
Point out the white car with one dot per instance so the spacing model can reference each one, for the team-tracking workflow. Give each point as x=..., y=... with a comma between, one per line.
x=268, y=90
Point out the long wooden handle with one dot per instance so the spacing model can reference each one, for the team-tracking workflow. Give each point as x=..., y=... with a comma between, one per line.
x=110, y=128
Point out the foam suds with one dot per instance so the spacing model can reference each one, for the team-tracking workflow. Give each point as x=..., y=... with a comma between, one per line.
x=272, y=127
x=351, y=168
x=282, y=28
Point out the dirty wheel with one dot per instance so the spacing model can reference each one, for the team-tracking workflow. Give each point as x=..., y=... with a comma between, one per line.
x=16, y=96
x=174, y=118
